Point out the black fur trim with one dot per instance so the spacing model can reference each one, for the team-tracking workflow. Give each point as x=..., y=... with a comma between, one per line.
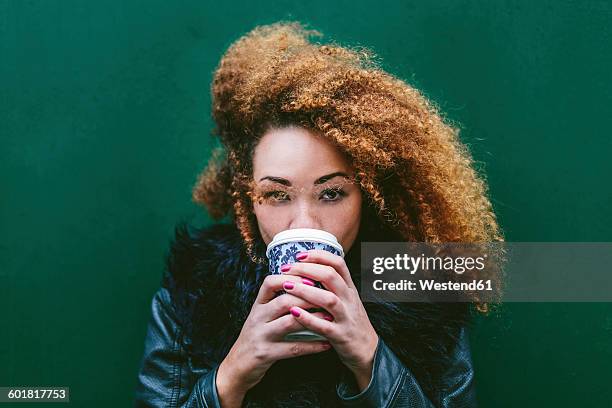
x=213, y=284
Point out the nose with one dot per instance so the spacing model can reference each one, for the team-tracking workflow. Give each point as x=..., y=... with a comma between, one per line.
x=305, y=216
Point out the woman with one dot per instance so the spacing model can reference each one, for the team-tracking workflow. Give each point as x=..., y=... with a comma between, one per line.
x=314, y=136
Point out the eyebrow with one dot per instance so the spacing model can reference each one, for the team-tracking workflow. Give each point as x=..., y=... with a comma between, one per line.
x=320, y=180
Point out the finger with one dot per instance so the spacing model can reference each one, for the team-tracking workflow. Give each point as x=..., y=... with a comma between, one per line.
x=290, y=349
x=280, y=306
x=271, y=285
x=337, y=262
x=278, y=328
x=327, y=275
x=323, y=327
x=322, y=315
x=319, y=297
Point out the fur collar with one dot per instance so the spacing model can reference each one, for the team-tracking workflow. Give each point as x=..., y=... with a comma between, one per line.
x=213, y=284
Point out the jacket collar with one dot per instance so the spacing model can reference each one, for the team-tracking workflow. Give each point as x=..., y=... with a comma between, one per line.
x=214, y=283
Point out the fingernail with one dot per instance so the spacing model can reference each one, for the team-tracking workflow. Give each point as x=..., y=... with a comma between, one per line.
x=285, y=268
x=301, y=255
x=295, y=312
x=328, y=317
x=307, y=281
x=288, y=285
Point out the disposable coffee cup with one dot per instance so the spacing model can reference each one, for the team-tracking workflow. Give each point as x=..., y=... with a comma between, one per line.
x=282, y=250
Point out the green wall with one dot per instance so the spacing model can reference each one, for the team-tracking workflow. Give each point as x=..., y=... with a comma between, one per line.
x=104, y=115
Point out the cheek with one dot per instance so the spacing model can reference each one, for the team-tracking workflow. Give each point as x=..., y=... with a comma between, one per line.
x=344, y=218
x=269, y=219
x=352, y=219
x=268, y=213
x=353, y=208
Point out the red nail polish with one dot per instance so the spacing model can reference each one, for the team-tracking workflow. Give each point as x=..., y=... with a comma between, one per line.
x=328, y=317
x=285, y=268
x=295, y=312
x=301, y=255
x=288, y=285
x=307, y=281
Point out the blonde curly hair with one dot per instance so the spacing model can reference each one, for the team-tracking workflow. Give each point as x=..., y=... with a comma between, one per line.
x=408, y=159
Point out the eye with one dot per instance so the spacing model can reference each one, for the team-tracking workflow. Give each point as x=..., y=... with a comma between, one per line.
x=333, y=194
x=276, y=195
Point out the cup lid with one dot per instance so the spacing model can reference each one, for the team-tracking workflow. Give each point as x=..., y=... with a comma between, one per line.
x=305, y=234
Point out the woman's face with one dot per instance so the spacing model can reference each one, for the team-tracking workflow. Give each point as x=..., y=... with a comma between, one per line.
x=299, y=178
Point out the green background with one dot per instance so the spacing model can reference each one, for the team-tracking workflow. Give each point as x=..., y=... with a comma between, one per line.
x=105, y=123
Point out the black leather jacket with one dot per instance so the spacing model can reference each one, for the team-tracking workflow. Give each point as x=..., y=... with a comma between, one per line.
x=167, y=377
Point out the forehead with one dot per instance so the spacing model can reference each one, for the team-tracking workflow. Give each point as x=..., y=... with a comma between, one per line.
x=297, y=153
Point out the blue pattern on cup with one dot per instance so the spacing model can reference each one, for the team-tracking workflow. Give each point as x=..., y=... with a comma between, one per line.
x=285, y=253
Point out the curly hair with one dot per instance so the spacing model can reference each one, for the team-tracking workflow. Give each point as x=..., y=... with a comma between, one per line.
x=408, y=159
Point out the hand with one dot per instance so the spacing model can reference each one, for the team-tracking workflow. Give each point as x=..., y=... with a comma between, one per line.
x=350, y=332
x=260, y=342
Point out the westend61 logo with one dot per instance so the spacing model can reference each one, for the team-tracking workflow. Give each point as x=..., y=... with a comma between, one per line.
x=405, y=262
x=409, y=271
x=486, y=272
